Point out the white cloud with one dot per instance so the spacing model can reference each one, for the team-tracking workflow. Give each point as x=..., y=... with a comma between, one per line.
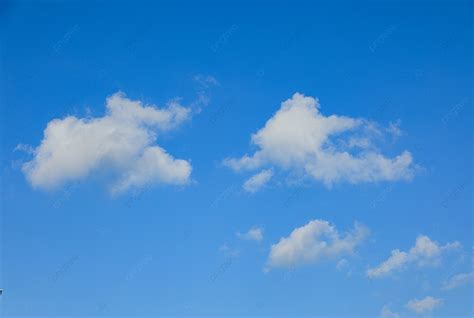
x=254, y=234
x=257, y=181
x=121, y=143
x=154, y=165
x=424, y=305
x=330, y=149
x=458, y=281
x=396, y=260
x=387, y=313
x=313, y=242
x=425, y=252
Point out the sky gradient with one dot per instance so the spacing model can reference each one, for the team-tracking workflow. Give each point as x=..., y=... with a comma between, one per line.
x=252, y=159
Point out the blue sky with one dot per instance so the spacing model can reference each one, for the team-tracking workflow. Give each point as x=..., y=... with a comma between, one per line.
x=173, y=182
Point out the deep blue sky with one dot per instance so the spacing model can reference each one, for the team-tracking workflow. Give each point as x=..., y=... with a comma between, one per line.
x=79, y=252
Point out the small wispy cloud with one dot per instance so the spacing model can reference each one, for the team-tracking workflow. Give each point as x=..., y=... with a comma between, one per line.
x=229, y=251
x=205, y=81
x=254, y=234
x=426, y=304
x=257, y=181
x=203, y=94
x=425, y=252
x=387, y=313
x=458, y=281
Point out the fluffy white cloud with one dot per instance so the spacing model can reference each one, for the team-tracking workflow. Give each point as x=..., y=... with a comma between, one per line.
x=154, y=165
x=424, y=305
x=425, y=252
x=312, y=242
x=254, y=234
x=330, y=149
x=458, y=280
x=257, y=181
x=387, y=313
x=121, y=143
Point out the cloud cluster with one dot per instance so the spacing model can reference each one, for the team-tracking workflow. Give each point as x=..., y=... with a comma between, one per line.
x=424, y=305
x=425, y=252
x=330, y=149
x=313, y=242
x=122, y=143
